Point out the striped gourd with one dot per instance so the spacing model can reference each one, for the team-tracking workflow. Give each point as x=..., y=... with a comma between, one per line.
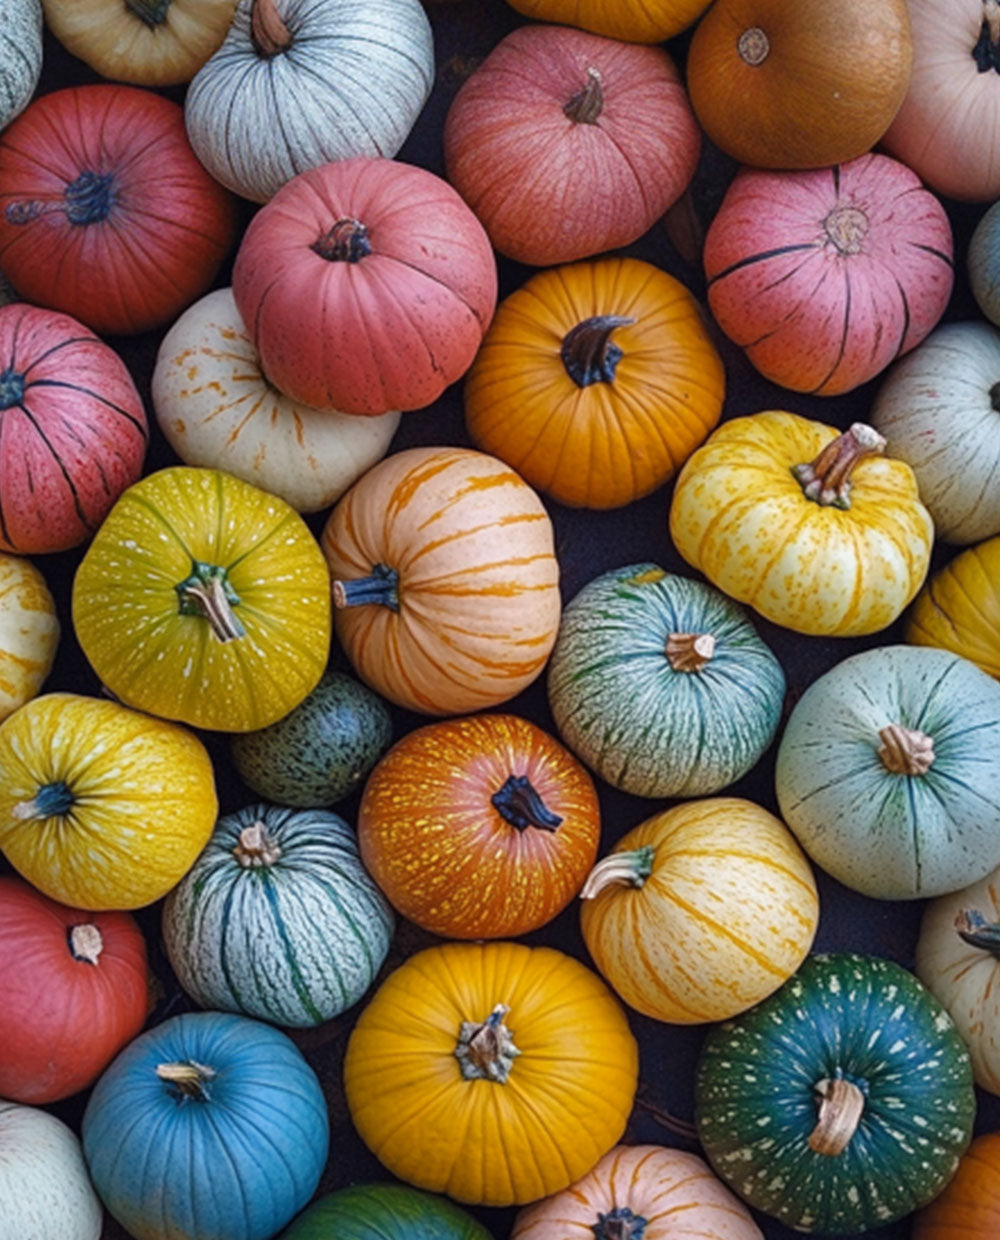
x=841, y=1103
x=20, y=55
x=29, y=632
x=278, y=918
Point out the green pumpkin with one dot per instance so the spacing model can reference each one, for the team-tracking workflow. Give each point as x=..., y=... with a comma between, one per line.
x=842, y=1102
x=661, y=684
x=384, y=1212
x=888, y=772
x=278, y=918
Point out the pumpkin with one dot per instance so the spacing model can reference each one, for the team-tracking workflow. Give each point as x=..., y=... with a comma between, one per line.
x=20, y=56
x=803, y=85
x=983, y=261
x=320, y=751
x=74, y=987
x=824, y=277
x=101, y=807
x=72, y=430
x=479, y=828
x=277, y=918
x=297, y=84
x=939, y=410
x=640, y=1192
x=645, y=23
x=887, y=772
x=595, y=382
x=959, y=608
x=384, y=1212
x=366, y=285
x=45, y=1191
x=566, y=144
x=148, y=42
x=217, y=409
x=494, y=1072
x=700, y=911
x=813, y=529
x=178, y=1131
x=445, y=580
x=105, y=212
x=29, y=632
x=204, y=599
x=969, y=1206
x=842, y=1102
x=661, y=684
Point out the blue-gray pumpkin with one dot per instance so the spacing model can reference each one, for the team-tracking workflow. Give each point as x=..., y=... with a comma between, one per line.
x=20, y=55
x=662, y=685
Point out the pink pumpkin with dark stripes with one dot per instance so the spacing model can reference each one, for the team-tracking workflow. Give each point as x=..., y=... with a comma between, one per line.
x=825, y=277
x=73, y=430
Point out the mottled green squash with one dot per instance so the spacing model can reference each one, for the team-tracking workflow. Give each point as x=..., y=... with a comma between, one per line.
x=385, y=1212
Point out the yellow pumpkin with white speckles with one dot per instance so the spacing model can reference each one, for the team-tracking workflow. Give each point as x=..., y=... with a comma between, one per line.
x=816, y=530
x=29, y=632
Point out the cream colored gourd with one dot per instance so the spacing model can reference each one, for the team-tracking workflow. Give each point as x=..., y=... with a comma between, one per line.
x=20, y=55
x=29, y=632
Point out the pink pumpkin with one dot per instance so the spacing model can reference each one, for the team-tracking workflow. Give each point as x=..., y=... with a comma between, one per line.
x=824, y=277
x=366, y=285
x=72, y=430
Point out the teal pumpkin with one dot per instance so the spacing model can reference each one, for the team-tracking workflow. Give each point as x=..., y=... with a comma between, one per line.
x=278, y=918
x=661, y=684
x=842, y=1102
x=320, y=752
x=888, y=772
x=385, y=1212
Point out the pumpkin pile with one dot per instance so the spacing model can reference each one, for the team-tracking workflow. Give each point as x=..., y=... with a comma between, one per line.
x=499, y=619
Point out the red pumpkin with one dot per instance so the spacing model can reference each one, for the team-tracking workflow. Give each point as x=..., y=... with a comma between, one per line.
x=566, y=144
x=105, y=212
x=824, y=277
x=72, y=430
x=74, y=992
x=366, y=286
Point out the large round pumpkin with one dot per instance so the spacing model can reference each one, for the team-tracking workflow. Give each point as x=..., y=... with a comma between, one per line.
x=384, y=1212
x=20, y=55
x=72, y=430
x=566, y=144
x=29, y=632
x=649, y=22
x=366, y=285
x=969, y=1207
x=445, y=580
x=74, y=988
x=105, y=211
x=959, y=608
x=496, y=1073
x=204, y=599
x=596, y=381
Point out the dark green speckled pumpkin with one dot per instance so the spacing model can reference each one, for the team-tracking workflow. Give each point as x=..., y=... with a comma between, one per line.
x=385, y=1212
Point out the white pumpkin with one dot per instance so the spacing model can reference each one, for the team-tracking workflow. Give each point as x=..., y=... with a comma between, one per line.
x=217, y=410
x=29, y=633
x=958, y=959
x=45, y=1191
x=298, y=83
x=20, y=55
x=939, y=410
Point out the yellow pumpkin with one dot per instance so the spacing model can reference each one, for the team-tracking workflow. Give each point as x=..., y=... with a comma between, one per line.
x=493, y=1072
x=701, y=911
x=959, y=608
x=101, y=807
x=29, y=632
x=652, y=21
x=596, y=381
x=813, y=529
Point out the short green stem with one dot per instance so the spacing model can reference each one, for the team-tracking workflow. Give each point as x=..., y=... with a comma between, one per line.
x=518, y=802
x=623, y=869
x=50, y=801
x=381, y=586
x=207, y=593
x=975, y=930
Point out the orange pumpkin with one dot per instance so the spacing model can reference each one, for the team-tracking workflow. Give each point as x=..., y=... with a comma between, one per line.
x=649, y=22
x=969, y=1207
x=596, y=381
x=479, y=828
x=445, y=580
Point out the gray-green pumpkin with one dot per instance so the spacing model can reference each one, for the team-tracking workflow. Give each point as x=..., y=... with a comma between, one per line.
x=278, y=918
x=322, y=750
x=889, y=772
x=20, y=55
x=662, y=685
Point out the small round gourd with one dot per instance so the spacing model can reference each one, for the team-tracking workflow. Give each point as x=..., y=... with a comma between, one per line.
x=278, y=918
x=969, y=1206
x=661, y=684
x=384, y=1212
x=20, y=55
x=959, y=608
x=887, y=772
x=983, y=261
x=29, y=632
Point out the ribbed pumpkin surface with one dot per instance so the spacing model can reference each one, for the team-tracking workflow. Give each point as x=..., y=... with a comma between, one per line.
x=959, y=608
x=29, y=632
x=384, y=1212
x=969, y=1207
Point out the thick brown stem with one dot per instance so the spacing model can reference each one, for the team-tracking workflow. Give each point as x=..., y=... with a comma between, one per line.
x=905, y=751
x=624, y=869
x=256, y=848
x=268, y=32
x=587, y=351
x=586, y=105
x=486, y=1050
x=689, y=652
x=827, y=479
x=346, y=241
x=85, y=942
x=840, y=1109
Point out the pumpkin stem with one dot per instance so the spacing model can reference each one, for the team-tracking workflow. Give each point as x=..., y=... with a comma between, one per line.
x=346, y=241
x=840, y=1109
x=753, y=46
x=268, y=32
x=11, y=388
x=85, y=942
x=986, y=52
x=628, y=869
x=975, y=930
x=190, y=1078
x=519, y=803
x=87, y=200
x=846, y=228
x=586, y=105
x=50, y=801
x=207, y=593
x=827, y=479
x=905, y=751
x=689, y=652
x=619, y=1224
x=256, y=848
x=152, y=12
x=381, y=586
x=587, y=351
x=486, y=1051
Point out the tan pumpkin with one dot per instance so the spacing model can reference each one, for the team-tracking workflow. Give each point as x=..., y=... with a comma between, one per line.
x=29, y=632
